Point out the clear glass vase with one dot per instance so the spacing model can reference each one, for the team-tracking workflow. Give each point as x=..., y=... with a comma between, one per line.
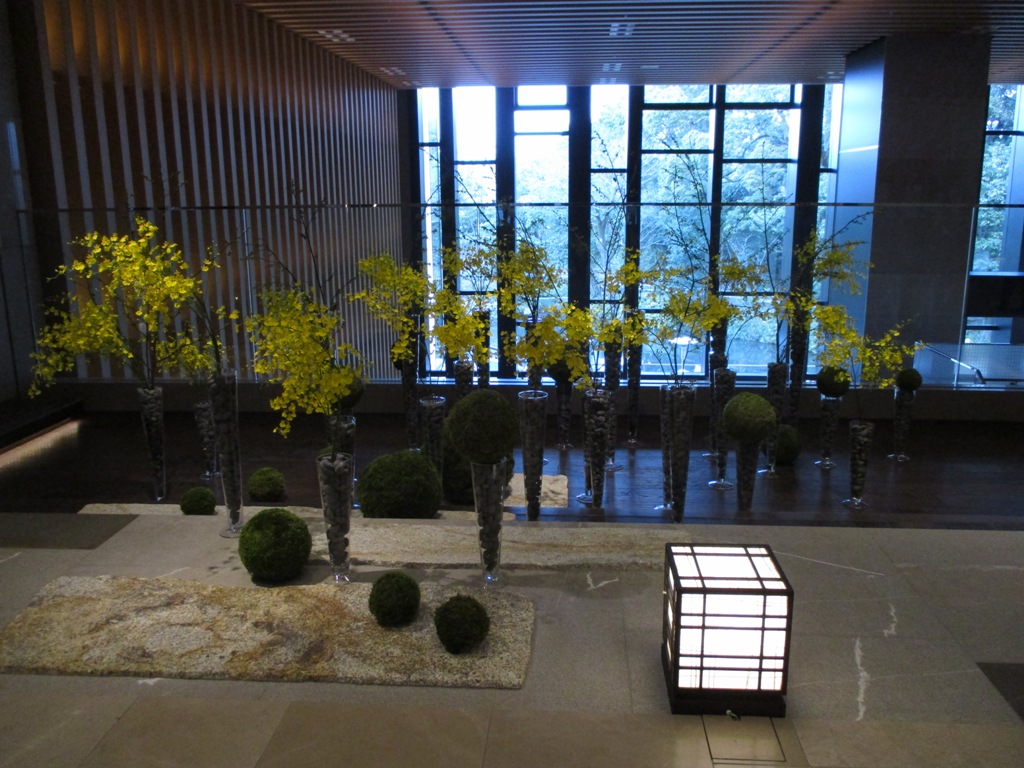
x=151, y=403
x=224, y=395
x=533, y=417
x=681, y=399
x=596, y=414
x=432, y=412
x=903, y=403
x=860, y=444
x=827, y=433
x=488, y=499
x=724, y=386
x=334, y=474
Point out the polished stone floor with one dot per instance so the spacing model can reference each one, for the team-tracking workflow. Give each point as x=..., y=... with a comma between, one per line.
x=906, y=652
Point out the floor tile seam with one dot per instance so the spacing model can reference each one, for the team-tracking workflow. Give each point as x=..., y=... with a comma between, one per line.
x=136, y=699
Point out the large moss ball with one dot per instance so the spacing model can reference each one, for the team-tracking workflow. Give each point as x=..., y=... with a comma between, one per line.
x=401, y=484
x=787, y=447
x=833, y=382
x=483, y=426
x=457, y=480
x=274, y=545
x=748, y=418
x=462, y=623
x=198, y=501
x=266, y=484
x=909, y=379
x=395, y=599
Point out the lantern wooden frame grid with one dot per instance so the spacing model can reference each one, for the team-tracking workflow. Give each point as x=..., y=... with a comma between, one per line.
x=728, y=617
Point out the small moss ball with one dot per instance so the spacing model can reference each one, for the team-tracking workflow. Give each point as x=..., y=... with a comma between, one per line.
x=401, y=484
x=748, y=418
x=462, y=623
x=833, y=382
x=274, y=545
x=483, y=426
x=909, y=379
x=395, y=599
x=788, y=446
x=198, y=501
x=266, y=484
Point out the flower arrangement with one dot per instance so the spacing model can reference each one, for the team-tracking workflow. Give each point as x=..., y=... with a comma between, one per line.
x=397, y=294
x=149, y=284
x=460, y=322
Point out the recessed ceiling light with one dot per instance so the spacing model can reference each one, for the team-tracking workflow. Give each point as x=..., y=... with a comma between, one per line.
x=650, y=66
x=392, y=71
x=621, y=29
x=616, y=67
x=607, y=80
x=336, y=35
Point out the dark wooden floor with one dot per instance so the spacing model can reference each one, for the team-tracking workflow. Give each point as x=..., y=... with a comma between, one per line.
x=961, y=474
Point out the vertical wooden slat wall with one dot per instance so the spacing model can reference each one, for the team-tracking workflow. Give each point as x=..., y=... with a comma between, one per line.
x=222, y=128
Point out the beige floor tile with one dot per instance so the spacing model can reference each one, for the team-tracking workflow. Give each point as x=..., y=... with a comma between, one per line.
x=910, y=745
x=595, y=740
x=47, y=730
x=752, y=738
x=189, y=733
x=316, y=733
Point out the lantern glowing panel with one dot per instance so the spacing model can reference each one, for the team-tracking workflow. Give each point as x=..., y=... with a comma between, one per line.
x=728, y=614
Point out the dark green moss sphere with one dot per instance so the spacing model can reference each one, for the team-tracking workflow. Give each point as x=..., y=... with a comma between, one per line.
x=909, y=379
x=788, y=446
x=198, y=501
x=483, y=426
x=401, y=484
x=748, y=418
x=833, y=382
x=462, y=623
x=274, y=545
x=266, y=484
x=457, y=483
x=395, y=599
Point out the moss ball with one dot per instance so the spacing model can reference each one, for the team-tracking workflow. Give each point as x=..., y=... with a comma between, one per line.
x=483, y=426
x=457, y=480
x=395, y=599
x=833, y=382
x=198, y=501
x=462, y=623
x=748, y=418
x=266, y=484
x=909, y=379
x=788, y=446
x=401, y=484
x=274, y=545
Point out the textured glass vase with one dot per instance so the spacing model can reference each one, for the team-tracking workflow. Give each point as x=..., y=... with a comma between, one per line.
x=488, y=499
x=533, y=415
x=224, y=395
x=432, y=412
x=860, y=445
x=681, y=399
x=827, y=433
x=724, y=386
x=151, y=402
x=334, y=475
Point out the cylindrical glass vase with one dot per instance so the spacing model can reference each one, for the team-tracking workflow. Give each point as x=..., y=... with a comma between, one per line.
x=860, y=445
x=432, y=412
x=335, y=478
x=665, y=424
x=596, y=415
x=151, y=402
x=724, y=387
x=224, y=394
x=827, y=434
x=206, y=426
x=563, y=412
x=903, y=404
x=681, y=398
x=488, y=498
x=533, y=414
x=778, y=377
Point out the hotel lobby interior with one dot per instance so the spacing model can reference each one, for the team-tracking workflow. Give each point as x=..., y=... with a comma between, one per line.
x=903, y=645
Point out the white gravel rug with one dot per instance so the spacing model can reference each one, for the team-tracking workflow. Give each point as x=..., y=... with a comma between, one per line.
x=112, y=625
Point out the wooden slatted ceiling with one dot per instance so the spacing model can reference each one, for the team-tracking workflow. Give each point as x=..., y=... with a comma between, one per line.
x=418, y=43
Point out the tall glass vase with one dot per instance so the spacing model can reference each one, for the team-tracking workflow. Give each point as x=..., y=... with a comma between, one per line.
x=432, y=412
x=488, y=498
x=860, y=444
x=206, y=426
x=463, y=372
x=715, y=362
x=903, y=404
x=151, y=402
x=681, y=398
x=563, y=412
x=665, y=424
x=612, y=380
x=634, y=363
x=724, y=386
x=224, y=394
x=829, y=422
x=341, y=432
x=746, y=474
x=407, y=367
x=778, y=378
x=596, y=413
x=334, y=475
x=533, y=416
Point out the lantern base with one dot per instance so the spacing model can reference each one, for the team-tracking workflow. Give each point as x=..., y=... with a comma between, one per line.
x=699, y=701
